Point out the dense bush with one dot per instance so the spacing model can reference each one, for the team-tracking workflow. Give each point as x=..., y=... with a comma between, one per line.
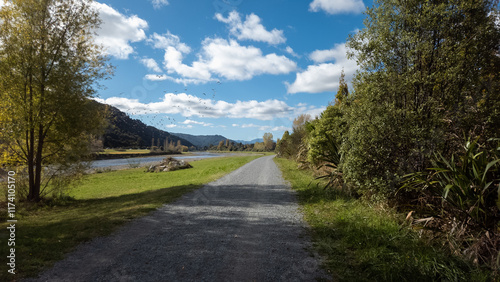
x=468, y=186
x=428, y=75
x=294, y=146
x=425, y=76
x=468, y=183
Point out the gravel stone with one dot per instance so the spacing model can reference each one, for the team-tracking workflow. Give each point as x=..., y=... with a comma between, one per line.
x=245, y=226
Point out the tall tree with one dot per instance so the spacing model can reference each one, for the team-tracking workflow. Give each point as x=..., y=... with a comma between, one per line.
x=327, y=132
x=49, y=67
x=343, y=90
x=268, y=141
x=428, y=75
x=220, y=146
x=283, y=145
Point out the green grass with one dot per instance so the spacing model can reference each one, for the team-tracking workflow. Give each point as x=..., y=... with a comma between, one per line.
x=368, y=242
x=98, y=205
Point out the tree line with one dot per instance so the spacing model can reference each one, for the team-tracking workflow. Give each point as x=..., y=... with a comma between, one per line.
x=268, y=145
x=420, y=128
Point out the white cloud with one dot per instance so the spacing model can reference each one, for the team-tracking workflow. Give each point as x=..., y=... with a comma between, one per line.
x=337, y=53
x=311, y=110
x=162, y=77
x=157, y=77
x=278, y=113
x=324, y=76
x=251, y=28
x=227, y=59
x=249, y=125
x=151, y=64
x=191, y=122
x=317, y=78
x=117, y=31
x=236, y=62
x=337, y=6
x=217, y=58
x=263, y=127
x=173, y=63
x=274, y=128
x=189, y=105
x=157, y=4
x=163, y=41
x=290, y=51
x=281, y=128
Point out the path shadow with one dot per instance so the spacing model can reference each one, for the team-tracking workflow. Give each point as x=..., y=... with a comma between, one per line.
x=236, y=233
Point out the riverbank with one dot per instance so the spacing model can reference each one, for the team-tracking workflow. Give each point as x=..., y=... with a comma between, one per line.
x=125, y=155
x=135, y=162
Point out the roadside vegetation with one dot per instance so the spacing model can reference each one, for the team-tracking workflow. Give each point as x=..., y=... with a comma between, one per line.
x=419, y=132
x=364, y=241
x=96, y=206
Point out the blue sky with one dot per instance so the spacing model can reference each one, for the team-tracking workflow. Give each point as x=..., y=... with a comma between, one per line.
x=237, y=68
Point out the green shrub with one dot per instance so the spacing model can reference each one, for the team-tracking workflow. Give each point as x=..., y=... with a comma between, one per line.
x=468, y=183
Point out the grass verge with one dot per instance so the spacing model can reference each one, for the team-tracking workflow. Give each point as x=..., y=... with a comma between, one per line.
x=361, y=241
x=96, y=207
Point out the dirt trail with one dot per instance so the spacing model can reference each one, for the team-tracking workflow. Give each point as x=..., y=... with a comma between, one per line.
x=243, y=227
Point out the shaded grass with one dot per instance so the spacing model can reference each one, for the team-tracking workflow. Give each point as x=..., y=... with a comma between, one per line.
x=362, y=241
x=97, y=207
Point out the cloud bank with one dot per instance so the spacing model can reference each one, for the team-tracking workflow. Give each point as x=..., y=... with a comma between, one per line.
x=117, y=31
x=251, y=28
x=337, y=6
x=323, y=76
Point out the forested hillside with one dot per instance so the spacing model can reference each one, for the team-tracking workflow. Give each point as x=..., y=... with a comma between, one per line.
x=125, y=132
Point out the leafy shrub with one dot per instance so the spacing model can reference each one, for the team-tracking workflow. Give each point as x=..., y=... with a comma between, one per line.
x=468, y=186
x=324, y=150
x=469, y=183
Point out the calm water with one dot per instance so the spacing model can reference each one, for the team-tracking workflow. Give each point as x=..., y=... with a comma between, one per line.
x=144, y=160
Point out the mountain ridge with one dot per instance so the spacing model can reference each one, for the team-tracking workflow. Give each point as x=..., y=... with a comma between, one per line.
x=125, y=132
x=202, y=141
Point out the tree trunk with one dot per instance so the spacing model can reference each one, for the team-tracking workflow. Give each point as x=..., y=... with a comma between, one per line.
x=31, y=165
x=38, y=166
x=30, y=144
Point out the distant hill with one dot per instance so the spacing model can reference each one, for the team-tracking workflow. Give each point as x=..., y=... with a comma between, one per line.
x=201, y=141
x=125, y=132
x=260, y=140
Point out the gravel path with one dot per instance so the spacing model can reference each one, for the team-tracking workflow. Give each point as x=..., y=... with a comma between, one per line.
x=243, y=227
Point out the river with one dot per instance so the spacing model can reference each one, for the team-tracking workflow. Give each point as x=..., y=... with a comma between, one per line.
x=148, y=160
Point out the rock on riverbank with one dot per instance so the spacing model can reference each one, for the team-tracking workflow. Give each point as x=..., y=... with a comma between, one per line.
x=169, y=164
